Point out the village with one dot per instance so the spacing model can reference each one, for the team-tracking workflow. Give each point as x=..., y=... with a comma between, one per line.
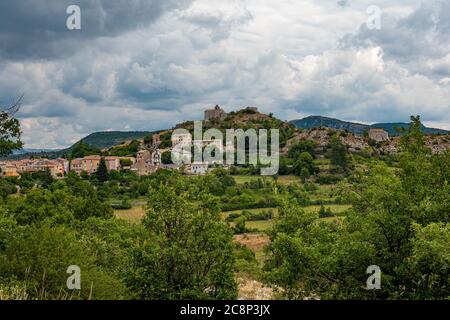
x=149, y=158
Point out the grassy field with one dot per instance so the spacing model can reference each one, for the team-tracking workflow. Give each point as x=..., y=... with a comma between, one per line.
x=264, y=225
x=227, y=213
x=323, y=192
x=246, y=179
x=337, y=209
x=283, y=180
x=287, y=180
x=332, y=219
x=133, y=215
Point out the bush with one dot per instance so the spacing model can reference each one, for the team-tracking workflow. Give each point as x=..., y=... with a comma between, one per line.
x=124, y=205
x=325, y=213
x=328, y=179
x=309, y=187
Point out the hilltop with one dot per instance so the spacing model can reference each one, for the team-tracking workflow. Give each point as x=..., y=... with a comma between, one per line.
x=357, y=128
x=109, y=139
x=249, y=118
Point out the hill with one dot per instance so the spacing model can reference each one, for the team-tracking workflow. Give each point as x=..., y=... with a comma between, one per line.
x=99, y=140
x=109, y=139
x=356, y=128
x=29, y=150
x=247, y=118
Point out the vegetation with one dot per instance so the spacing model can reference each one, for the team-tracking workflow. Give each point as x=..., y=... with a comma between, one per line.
x=170, y=236
x=399, y=222
x=82, y=149
x=128, y=149
x=10, y=132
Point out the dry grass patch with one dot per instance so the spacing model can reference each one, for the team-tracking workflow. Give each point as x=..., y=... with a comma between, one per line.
x=133, y=215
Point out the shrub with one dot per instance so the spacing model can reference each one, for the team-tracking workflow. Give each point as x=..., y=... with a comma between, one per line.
x=328, y=179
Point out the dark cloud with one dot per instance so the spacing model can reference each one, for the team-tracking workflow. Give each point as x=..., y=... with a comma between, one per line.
x=37, y=29
x=130, y=70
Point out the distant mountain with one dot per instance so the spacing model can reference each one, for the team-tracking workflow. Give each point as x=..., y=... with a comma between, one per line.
x=29, y=150
x=391, y=128
x=319, y=121
x=356, y=128
x=99, y=140
x=109, y=139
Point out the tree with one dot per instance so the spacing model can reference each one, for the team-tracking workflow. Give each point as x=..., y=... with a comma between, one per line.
x=148, y=139
x=37, y=257
x=43, y=178
x=304, y=174
x=338, y=154
x=102, y=171
x=82, y=149
x=304, y=161
x=190, y=253
x=10, y=133
x=166, y=158
x=399, y=221
x=302, y=146
x=126, y=162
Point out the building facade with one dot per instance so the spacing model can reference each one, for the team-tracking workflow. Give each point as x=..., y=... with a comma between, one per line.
x=217, y=113
x=90, y=164
x=57, y=167
x=379, y=135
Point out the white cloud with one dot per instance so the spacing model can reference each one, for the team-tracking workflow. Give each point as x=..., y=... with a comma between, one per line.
x=293, y=58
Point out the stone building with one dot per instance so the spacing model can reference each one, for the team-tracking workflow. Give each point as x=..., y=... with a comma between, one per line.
x=182, y=139
x=253, y=109
x=89, y=164
x=217, y=113
x=57, y=167
x=196, y=168
x=147, y=162
x=156, y=140
x=378, y=135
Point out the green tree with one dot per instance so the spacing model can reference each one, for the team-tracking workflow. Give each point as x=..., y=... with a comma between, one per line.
x=148, y=139
x=338, y=154
x=302, y=146
x=125, y=162
x=102, y=171
x=10, y=133
x=82, y=149
x=37, y=257
x=304, y=161
x=304, y=174
x=166, y=158
x=399, y=222
x=190, y=253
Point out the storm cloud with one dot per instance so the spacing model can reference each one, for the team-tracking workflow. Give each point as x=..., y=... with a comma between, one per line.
x=37, y=29
x=146, y=65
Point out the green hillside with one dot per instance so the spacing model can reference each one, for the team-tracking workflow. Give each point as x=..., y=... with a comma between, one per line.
x=112, y=138
x=357, y=128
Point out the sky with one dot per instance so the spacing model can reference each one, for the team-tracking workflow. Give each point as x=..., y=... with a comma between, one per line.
x=150, y=64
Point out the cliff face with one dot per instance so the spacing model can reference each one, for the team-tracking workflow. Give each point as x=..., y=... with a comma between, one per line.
x=355, y=143
x=322, y=137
